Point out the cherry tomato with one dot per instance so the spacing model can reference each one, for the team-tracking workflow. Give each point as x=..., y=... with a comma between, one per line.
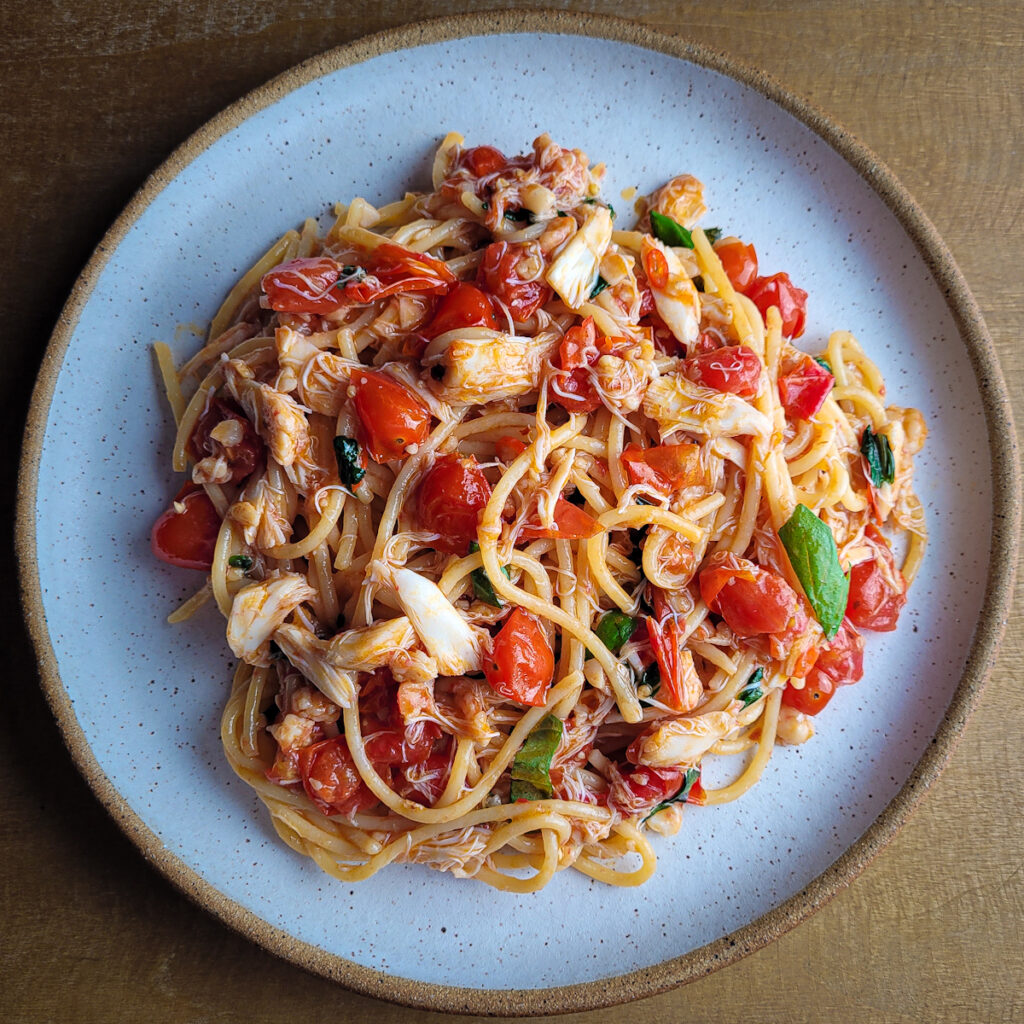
x=464, y=306
x=842, y=661
x=803, y=389
x=242, y=455
x=391, y=415
x=187, y=538
x=791, y=302
x=570, y=523
x=656, y=268
x=811, y=699
x=635, y=790
x=402, y=744
x=752, y=600
x=735, y=369
x=878, y=591
x=508, y=449
x=425, y=781
x=739, y=261
x=331, y=780
x=572, y=385
x=304, y=286
x=664, y=467
x=521, y=664
x=450, y=499
x=500, y=275
x=391, y=269
x=481, y=161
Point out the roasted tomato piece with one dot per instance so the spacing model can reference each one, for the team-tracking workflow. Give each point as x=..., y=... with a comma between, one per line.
x=739, y=261
x=804, y=388
x=570, y=523
x=450, y=499
x=188, y=537
x=735, y=369
x=513, y=272
x=780, y=292
x=331, y=780
x=664, y=467
x=464, y=306
x=878, y=591
x=392, y=416
x=224, y=431
x=521, y=663
x=752, y=600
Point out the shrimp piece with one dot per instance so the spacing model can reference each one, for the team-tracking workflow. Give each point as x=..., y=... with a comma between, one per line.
x=794, y=726
x=259, y=609
x=308, y=653
x=677, y=300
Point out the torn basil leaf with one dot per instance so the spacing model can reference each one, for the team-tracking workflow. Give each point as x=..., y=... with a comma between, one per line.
x=878, y=455
x=599, y=286
x=752, y=688
x=347, y=454
x=691, y=776
x=531, y=767
x=615, y=629
x=482, y=586
x=666, y=230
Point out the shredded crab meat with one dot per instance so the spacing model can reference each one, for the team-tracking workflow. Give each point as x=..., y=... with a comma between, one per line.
x=259, y=609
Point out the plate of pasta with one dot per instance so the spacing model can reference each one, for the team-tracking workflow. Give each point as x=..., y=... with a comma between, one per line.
x=512, y=510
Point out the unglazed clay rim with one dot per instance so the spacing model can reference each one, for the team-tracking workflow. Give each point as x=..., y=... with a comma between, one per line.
x=998, y=593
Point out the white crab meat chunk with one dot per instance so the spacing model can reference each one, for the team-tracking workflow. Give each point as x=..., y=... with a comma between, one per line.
x=308, y=653
x=676, y=403
x=259, y=609
x=455, y=645
x=794, y=726
x=677, y=301
x=574, y=270
x=682, y=742
x=368, y=647
x=321, y=377
x=482, y=365
x=278, y=418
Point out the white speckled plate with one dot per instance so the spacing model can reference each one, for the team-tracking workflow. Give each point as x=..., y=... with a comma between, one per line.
x=140, y=701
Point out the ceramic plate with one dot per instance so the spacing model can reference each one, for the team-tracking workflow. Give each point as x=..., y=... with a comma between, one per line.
x=140, y=701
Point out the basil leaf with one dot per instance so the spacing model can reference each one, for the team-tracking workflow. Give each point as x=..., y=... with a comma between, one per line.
x=876, y=451
x=346, y=451
x=698, y=282
x=482, y=586
x=713, y=234
x=815, y=559
x=666, y=230
x=691, y=776
x=349, y=273
x=593, y=199
x=752, y=690
x=599, y=286
x=240, y=562
x=615, y=629
x=520, y=216
x=648, y=682
x=531, y=767
x=825, y=363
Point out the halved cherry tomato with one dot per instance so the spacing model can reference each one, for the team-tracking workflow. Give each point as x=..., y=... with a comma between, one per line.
x=392, y=269
x=752, y=600
x=811, y=699
x=804, y=388
x=187, y=538
x=841, y=663
x=464, y=306
x=331, y=780
x=571, y=385
x=656, y=268
x=636, y=789
x=739, y=261
x=500, y=275
x=521, y=664
x=707, y=341
x=481, y=161
x=391, y=415
x=570, y=523
x=450, y=499
x=874, y=601
x=241, y=456
x=425, y=781
x=402, y=744
x=304, y=285
x=664, y=467
x=508, y=449
x=735, y=369
x=791, y=302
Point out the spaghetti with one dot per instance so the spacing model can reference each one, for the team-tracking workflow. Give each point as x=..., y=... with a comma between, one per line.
x=515, y=518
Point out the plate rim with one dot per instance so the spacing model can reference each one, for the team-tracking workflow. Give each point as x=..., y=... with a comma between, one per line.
x=997, y=601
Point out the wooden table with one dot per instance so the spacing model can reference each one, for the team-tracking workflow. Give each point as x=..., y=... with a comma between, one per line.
x=95, y=96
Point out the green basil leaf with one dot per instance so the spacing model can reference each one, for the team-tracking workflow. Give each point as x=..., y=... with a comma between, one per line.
x=615, y=629
x=648, y=682
x=713, y=234
x=691, y=776
x=698, y=282
x=521, y=216
x=878, y=455
x=346, y=452
x=349, y=272
x=482, y=586
x=752, y=688
x=599, y=286
x=666, y=230
x=824, y=362
x=240, y=562
x=815, y=559
x=531, y=767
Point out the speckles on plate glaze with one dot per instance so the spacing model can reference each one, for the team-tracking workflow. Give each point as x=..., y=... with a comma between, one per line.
x=370, y=130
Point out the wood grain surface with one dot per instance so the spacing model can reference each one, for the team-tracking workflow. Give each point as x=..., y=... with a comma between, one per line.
x=95, y=95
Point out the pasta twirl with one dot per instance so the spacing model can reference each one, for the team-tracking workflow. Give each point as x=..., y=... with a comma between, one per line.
x=516, y=519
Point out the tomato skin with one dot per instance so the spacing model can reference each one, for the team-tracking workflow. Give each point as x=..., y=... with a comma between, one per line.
x=392, y=269
x=187, y=539
x=803, y=389
x=664, y=467
x=571, y=384
x=734, y=369
x=392, y=416
x=752, y=600
x=499, y=275
x=450, y=499
x=570, y=523
x=841, y=663
x=521, y=663
x=305, y=285
x=331, y=780
x=508, y=449
x=778, y=290
x=402, y=744
x=241, y=457
x=425, y=781
x=481, y=161
x=464, y=306
x=873, y=602
x=810, y=700
x=636, y=789
x=739, y=261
